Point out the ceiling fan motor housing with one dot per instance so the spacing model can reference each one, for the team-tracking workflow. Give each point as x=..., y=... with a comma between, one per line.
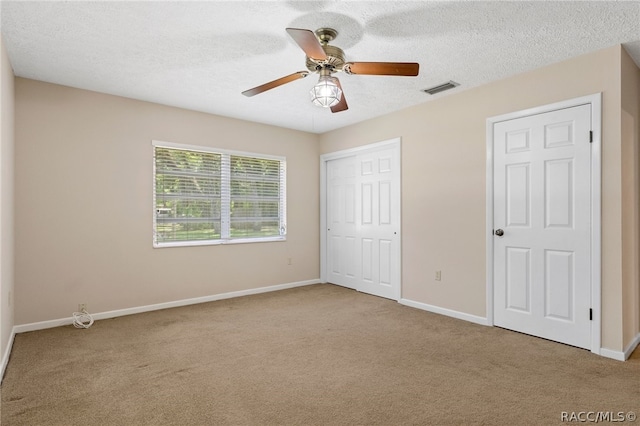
x=335, y=59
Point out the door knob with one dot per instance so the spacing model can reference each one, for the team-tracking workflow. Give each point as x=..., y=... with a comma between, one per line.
x=499, y=232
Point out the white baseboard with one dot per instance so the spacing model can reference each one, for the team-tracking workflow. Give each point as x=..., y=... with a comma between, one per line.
x=621, y=355
x=34, y=326
x=444, y=311
x=609, y=353
x=139, y=309
x=7, y=354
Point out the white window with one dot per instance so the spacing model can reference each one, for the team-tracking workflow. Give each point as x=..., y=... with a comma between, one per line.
x=212, y=196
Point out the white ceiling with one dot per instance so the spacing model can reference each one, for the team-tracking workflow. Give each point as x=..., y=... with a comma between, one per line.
x=202, y=55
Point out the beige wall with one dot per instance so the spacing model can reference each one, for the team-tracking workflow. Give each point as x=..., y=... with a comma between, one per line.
x=630, y=122
x=83, y=195
x=443, y=180
x=6, y=198
x=84, y=205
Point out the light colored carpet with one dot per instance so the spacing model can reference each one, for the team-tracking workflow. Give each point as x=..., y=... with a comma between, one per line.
x=316, y=355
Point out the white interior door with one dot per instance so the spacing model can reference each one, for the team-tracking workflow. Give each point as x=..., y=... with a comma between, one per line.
x=542, y=222
x=363, y=221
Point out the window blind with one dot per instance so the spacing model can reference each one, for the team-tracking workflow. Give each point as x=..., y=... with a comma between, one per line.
x=205, y=197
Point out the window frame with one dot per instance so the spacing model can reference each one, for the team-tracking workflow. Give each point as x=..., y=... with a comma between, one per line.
x=225, y=200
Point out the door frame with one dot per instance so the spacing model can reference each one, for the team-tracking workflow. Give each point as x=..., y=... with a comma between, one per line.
x=595, y=101
x=395, y=143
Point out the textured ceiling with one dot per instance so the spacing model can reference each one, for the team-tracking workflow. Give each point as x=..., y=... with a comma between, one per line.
x=202, y=55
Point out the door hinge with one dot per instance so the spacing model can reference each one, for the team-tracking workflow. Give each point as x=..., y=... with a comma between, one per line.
x=590, y=314
x=590, y=136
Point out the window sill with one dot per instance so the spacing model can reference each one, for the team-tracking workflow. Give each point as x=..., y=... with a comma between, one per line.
x=220, y=242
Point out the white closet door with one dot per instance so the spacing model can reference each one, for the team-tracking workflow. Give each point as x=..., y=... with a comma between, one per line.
x=342, y=259
x=363, y=221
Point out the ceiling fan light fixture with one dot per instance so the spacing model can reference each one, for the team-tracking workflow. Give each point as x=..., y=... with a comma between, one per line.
x=326, y=93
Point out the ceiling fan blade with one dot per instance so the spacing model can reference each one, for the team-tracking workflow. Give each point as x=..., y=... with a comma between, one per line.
x=308, y=42
x=342, y=105
x=409, y=69
x=275, y=83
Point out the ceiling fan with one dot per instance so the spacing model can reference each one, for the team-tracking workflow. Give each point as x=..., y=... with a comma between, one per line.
x=325, y=60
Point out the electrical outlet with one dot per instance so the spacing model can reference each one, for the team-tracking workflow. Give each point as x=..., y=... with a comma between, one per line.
x=82, y=307
x=438, y=275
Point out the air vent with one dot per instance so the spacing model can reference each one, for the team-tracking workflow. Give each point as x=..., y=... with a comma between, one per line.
x=441, y=87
